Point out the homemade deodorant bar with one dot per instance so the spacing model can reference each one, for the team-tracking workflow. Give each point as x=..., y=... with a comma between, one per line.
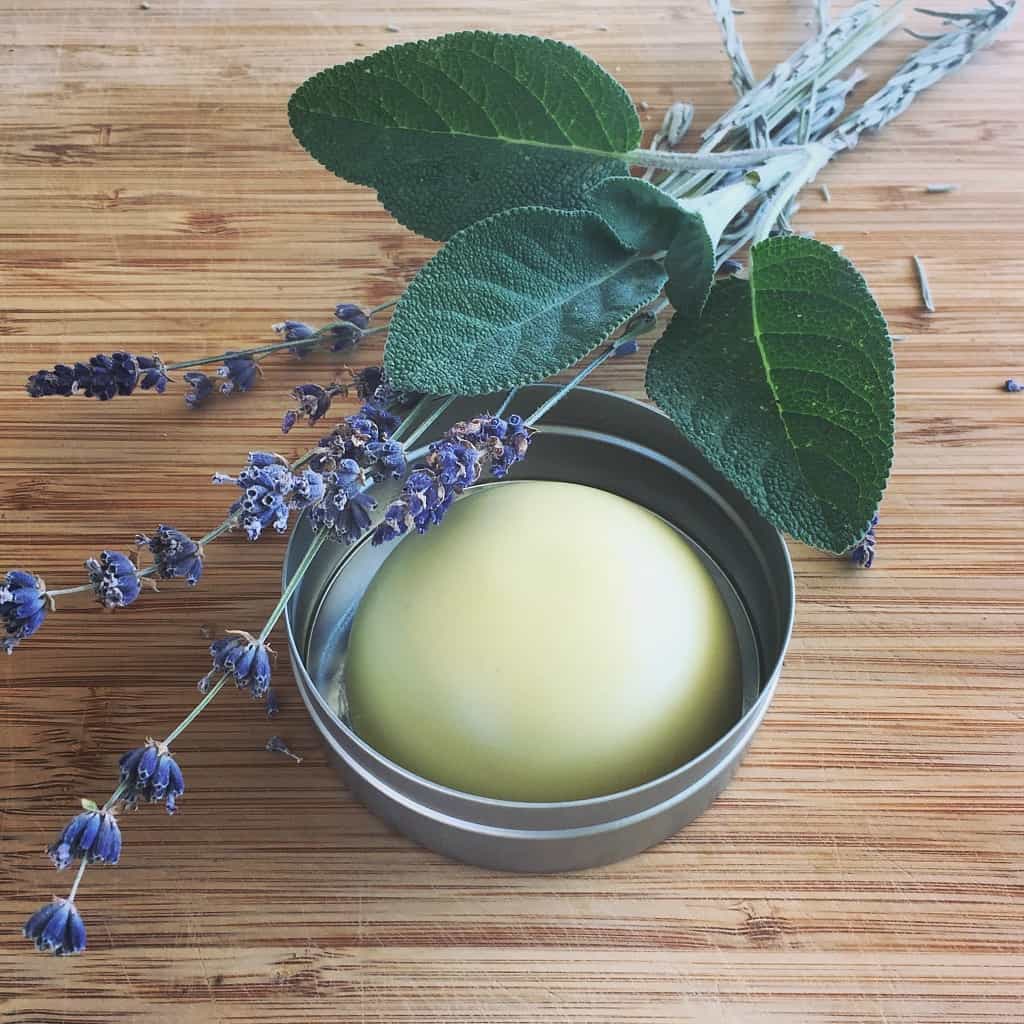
x=548, y=642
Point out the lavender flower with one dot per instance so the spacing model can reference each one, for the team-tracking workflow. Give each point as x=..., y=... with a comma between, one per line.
x=346, y=507
x=371, y=383
x=114, y=578
x=175, y=555
x=298, y=332
x=23, y=606
x=56, y=927
x=349, y=312
x=314, y=403
x=273, y=703
x=239, y=373
x=342, y=336
x=348, y=330
x=150, y=773
x=93, y=835
x=389, y=455
x=862, y=554
x=267, y=485
x=367, y=380
x=58, y=381
x=383, y=419
x=152, y=374
x=309, y=490
x=202, y=386
x=276, y=745
x=1013, y=386
x=455, y=462
x=103, y=377
x=244, y=658
x=349, y=439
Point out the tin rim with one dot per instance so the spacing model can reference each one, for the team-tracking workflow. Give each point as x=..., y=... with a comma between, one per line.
x=318, y=706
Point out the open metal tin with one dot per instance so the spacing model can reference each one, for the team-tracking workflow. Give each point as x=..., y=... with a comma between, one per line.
x=620, y=445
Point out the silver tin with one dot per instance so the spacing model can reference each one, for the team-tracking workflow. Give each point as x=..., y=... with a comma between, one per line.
x=620, y=445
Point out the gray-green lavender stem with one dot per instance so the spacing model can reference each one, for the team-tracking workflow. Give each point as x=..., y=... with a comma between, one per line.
x=264, y=350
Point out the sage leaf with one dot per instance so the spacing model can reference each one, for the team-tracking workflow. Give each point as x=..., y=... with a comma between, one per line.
x=513, y=299
x=452, y=129
x=785, y=383
x=649, y=220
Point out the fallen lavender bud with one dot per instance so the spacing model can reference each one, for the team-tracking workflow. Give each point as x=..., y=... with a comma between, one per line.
x=276, y=745
x=201, y=387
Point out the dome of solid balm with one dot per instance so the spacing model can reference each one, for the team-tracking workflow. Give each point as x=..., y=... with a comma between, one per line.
x=547, y=642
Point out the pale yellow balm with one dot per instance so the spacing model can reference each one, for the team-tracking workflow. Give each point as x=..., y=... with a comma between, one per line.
x=547, y=642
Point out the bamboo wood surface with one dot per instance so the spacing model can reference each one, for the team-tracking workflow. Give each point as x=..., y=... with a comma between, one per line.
x=865, y=865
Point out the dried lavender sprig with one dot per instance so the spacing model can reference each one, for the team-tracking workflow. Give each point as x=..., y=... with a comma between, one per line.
x=674, y=126
x=821, y=10
x=783, y=91
x=819, y=59
x=124, y=786
x=742, y=74
x=930, y=64
x=263, y=350
x=923, y=69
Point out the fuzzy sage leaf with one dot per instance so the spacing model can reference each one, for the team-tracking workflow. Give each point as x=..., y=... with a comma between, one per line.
x=452, y=129
x=513, y=299
x=785, y=383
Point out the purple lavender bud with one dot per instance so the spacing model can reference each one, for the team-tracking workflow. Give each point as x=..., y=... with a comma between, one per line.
x=103, y=377
x=239, y=373
x=367, y=380
x=243, y=658
x=151, y=774
x=349, y=312
x=342, y=336
x=58, y=381
x=862, y=554
x=730, y=266
x=201, y=386
x=309, y=490
x=114, y=578
x=267, y=487
x=273, y=703
x=56, y=928
x=296, y=331
x=389, y=455
x=314, y=403
x=175, y=555
x=626, y=347
x=93, y=835
x=152, y=374
x=23, y=607
x=1013, y=386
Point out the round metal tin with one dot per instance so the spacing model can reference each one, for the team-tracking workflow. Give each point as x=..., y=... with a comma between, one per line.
x=620, y=445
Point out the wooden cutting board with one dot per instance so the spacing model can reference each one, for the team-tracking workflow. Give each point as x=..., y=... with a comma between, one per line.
x=865, y=866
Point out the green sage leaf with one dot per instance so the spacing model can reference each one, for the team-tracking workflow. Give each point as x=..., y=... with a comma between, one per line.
x=452, y=129
x=514, y=299
x=785, y=383
x=650, y=221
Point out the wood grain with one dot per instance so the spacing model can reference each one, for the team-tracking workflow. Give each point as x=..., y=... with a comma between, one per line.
x=865, y=866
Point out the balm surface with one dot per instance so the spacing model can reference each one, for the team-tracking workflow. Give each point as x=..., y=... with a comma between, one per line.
x=547, y=642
